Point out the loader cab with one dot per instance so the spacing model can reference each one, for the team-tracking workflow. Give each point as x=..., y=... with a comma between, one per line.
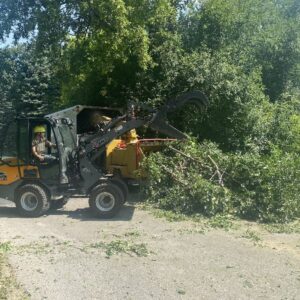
x=16, y=152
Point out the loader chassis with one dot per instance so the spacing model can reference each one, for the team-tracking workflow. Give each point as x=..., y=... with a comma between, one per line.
x=88, y=160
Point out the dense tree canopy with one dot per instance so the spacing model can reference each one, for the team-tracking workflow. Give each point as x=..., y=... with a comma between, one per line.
x=28, y=83
x=100, y=41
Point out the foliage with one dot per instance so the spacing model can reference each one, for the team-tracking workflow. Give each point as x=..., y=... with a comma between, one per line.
x=204, y=180
x=28, y=84
x=253, y=34
x=122, y=246
x=9, y=288
x=285, y=126
x=36, y=89
x=7, y=80
x=100, y=45
x=182, y=183
x=5, y=247
x=105, y=66
x=292, y=227
x=270, y=185
x=221, y=221
x=252, y=235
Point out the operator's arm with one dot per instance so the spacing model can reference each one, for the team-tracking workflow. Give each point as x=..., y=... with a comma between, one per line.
x=50, y=145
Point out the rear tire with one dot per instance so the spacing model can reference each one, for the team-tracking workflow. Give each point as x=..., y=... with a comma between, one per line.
x=32, y=201
x=106, y=200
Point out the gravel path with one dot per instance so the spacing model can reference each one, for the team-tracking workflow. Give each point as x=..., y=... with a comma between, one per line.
x=69, y=255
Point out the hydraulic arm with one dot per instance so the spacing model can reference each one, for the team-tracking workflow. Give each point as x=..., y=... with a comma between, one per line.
x=93, y=147
x=141, y=116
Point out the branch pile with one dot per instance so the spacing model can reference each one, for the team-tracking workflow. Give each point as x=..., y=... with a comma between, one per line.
x=195, y=178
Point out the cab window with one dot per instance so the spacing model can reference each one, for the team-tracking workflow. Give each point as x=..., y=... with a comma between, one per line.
x=9, y=146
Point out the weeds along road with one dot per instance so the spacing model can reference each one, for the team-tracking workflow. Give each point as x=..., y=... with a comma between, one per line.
x=69, y=255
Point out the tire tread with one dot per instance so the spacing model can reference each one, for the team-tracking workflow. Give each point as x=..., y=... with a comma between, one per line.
x=119, y=198
x=42, y=208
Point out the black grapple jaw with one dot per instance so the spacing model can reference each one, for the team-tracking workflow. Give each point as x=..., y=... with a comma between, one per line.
x=159, y=121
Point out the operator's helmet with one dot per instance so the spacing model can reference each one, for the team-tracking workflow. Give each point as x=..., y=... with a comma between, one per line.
x=39, y=129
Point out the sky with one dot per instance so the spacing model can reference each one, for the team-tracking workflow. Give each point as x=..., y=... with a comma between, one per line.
x=9, y=41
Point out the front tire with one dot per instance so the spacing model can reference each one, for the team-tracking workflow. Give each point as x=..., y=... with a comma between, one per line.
x=106, y=200
x=123, y=187
x=32, y=201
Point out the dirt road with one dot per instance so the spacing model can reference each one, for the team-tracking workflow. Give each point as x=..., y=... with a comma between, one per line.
x=69, y=255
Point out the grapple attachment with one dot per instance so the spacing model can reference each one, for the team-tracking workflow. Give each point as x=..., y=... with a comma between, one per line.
x=159, y=122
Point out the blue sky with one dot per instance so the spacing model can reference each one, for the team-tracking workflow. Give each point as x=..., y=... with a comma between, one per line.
x=9, y=41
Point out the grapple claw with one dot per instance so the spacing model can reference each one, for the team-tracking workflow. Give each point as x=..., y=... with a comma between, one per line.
x=159, y=122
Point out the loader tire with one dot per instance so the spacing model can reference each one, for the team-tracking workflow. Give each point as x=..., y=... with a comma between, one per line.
x=123, y=187
x=106, y=200
x=32, y=201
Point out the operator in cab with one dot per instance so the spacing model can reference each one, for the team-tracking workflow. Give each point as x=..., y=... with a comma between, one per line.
x=40, y=145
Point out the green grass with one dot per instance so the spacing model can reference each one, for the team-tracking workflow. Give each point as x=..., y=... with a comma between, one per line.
x=122, y=246
x=132, y=234
x=5, y=247
x=225, y=222
x=293, y=227
x=192, y=231
x=253, y=236
x=169, y=215
x=181, y=292
x=9, y=289
x=36, y=248
x=222, y=222
x=4, y=280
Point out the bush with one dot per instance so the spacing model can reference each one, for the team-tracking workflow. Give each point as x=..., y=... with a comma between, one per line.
x=195, y=178
x=268, y=186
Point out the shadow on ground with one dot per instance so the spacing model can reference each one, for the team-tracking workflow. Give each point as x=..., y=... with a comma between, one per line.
x=85, y=214
x=8, y=210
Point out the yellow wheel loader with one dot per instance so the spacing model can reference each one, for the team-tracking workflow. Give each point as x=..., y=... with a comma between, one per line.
x=89, y=157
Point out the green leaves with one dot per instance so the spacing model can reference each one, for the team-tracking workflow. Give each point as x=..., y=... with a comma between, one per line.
x=254, y=34
x=28, y=85
x=207, y=181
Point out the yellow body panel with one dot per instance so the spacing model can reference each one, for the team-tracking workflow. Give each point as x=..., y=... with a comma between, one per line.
x=122, y=158
x=9, y=170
